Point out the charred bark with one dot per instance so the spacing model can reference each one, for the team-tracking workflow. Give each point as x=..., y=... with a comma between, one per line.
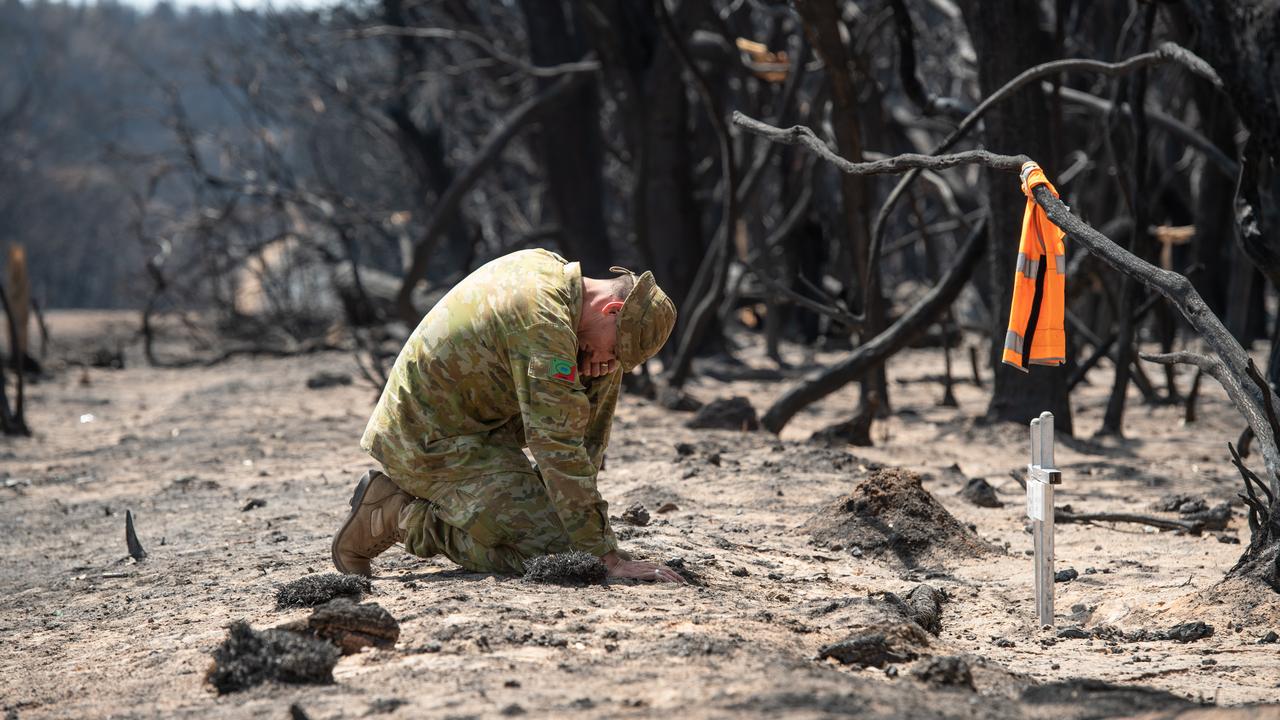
x=1009, y=38
x=12, y=418
x=822, y=23
x=643, y=75
x=715, y=264
x=421, y=143
x=568, y=140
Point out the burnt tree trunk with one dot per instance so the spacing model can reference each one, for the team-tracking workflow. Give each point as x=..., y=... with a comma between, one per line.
x=423, y=142
x=12, y=418
x=1239, y=40
x=1009, y=38
x=643, y=76
x=822, y=25
x=1135, y=143
x=568, y=141
x=667, y=186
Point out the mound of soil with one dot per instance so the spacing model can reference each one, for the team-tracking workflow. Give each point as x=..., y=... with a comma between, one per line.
x=327, y=379
x=571, y=568
x=314, y=590
x=249, y=657
x=890, y=513
x=1233, y=600
x=676, y=399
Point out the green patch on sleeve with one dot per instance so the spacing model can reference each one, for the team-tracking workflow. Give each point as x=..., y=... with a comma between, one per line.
x=554, y=368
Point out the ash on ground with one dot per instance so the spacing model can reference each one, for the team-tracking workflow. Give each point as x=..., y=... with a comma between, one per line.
x=571, y=568
x=249, y=657
x=890, y=513
x=314, y=590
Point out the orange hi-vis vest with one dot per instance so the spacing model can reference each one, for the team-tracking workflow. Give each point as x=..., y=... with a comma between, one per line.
x=1037, y=331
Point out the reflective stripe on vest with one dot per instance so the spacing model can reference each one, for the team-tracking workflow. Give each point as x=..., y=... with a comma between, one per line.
x=1036, y=332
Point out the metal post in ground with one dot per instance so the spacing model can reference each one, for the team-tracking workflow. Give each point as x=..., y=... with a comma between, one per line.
x=1041, y=477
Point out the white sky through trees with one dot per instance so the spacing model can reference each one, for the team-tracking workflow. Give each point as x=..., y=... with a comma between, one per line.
x=147, y=5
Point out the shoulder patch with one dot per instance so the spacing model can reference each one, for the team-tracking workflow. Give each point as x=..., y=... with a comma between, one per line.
x=552, y=367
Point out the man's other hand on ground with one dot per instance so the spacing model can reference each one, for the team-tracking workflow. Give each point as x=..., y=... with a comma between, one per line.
x=638, y=570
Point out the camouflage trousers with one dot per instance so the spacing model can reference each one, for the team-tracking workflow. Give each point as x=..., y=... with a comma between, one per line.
x=490, y=523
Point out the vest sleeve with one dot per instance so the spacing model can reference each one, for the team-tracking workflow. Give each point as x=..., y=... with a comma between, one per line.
x=556, y=413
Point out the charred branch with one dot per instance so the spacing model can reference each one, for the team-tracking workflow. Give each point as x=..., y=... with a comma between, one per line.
x=1195, y=527
x=1165, y=53
x=801, y=135
x=872, y=353
x=721, y=253
x=1233, y=360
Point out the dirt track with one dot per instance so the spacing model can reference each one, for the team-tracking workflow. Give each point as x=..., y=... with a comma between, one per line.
x=85, y=632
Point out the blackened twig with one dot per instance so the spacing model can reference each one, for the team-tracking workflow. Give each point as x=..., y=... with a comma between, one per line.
x=1194, y=527
x=131, y=538
x=1167, y=52
x=801, y=135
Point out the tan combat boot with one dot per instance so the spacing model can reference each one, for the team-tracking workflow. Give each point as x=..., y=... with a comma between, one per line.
x=372, y=526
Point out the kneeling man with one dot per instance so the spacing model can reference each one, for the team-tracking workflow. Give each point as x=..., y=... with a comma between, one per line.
x=524, y=352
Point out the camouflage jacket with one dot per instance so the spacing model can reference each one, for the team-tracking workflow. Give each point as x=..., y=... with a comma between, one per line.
x=491, y=368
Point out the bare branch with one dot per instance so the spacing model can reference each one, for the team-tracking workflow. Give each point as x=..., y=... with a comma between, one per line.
x=801, y=135
x=1195, y=527
x=873, y=352
x=1175, y=127
x=1167, y=52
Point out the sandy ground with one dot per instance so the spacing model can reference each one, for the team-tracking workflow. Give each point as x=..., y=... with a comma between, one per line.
x=86, y=632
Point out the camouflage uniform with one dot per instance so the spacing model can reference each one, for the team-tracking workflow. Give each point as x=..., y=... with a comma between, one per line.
x=492, y=368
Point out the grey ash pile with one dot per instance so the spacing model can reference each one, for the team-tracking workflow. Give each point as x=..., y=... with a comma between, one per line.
x=249, y=657
x=314, y=590
x=889, y=513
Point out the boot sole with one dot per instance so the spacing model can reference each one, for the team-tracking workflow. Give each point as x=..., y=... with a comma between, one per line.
x=357, y=498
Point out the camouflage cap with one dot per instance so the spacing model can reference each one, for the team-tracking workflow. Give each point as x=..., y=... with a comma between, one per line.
x=645, y=321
